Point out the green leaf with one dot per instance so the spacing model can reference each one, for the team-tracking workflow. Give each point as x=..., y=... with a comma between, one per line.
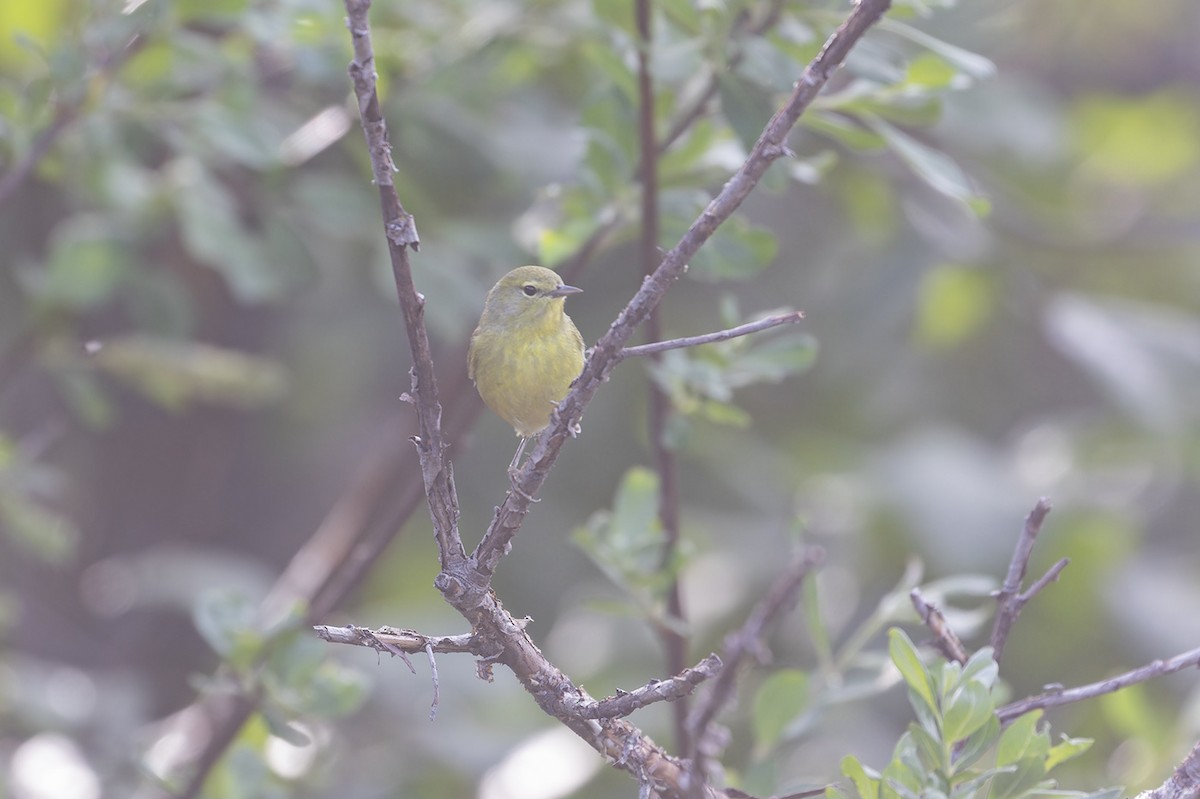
x=841, y=129
x=765, y=65
x=934, y=167
x=954, y=303
x=1022, y=739
x=972, y=64
x=904, y=655
x=815, y=622
x=778, y=701
x=773, y=360
x=627, y=541
x=976, y=745
x=933, y=754
x=981, y=667
x=227, y=621
x=931, y=71
x=616, y=13
x=902, y=776
x=867, y=785
x=745, y=106
x=213, y=235
x=178, y=373
x=737, y=251
x=607, y=61
x=1067, y=749
x=37, y=531
x=334, y=691
x=282, y=727
x=85, y=266
x=968, y=710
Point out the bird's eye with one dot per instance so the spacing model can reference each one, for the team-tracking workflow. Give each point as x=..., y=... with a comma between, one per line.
x=529, y=290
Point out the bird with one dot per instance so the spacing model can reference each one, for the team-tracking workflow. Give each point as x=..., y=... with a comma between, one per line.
x=526, y=352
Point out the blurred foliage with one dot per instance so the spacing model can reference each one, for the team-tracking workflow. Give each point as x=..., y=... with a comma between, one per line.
x=990, y=222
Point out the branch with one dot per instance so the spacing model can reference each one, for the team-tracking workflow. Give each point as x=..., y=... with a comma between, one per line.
x=669, y=690
x=1009, y=599
x=402, y=234
x=1065, y=696
x=747, y=641
x=672, y=636
x=946, y=640
x=768, y=148
x=1183, y=784
x=392, y=640
x=756, y=326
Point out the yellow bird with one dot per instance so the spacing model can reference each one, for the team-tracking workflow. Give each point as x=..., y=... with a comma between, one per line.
x=526, y=351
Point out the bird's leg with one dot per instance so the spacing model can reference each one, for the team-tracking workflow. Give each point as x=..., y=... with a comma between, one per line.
x=516, y=460
x=512, y=471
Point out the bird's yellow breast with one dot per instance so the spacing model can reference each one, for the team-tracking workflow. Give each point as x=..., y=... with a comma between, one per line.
x=523, y=371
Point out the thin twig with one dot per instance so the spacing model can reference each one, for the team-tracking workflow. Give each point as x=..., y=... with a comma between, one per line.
x=1050, y=576
x=1008, y=598
x=756, y=326
x=746, y=641
x=671, y=689
x=1183, y=784
x=410, y=641
x=944, y=637
x=1065, y=696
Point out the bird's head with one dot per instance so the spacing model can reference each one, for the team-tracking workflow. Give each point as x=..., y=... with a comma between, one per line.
x=528, y=294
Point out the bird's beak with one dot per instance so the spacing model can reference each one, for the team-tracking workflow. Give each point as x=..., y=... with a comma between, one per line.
x=563, y=291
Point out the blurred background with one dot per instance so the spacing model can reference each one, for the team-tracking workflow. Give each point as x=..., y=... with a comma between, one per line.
x=992, y=224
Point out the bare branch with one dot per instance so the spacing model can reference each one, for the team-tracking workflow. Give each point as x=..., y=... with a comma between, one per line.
x=1050, y=576
x=946, y=640
x=669, y=690
x=387, y=639
x=1065, y=696
x=1183, y=784
x=1009, y=601
x=766, y=323
x=402, y=234
x=768, y=148
x=672, y=636
x=748, y=640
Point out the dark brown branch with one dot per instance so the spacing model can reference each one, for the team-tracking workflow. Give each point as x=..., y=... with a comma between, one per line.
x=1183, y=784
x=944, y=637
x=747, y=641
x=756, y=326
x=1009, y=601
x=402, y=234
x=1065, y=696
x=768, y=148
x=674, y=641
x=671, y=689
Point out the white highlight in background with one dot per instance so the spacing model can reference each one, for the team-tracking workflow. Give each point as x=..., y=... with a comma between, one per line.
x=549, y=765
